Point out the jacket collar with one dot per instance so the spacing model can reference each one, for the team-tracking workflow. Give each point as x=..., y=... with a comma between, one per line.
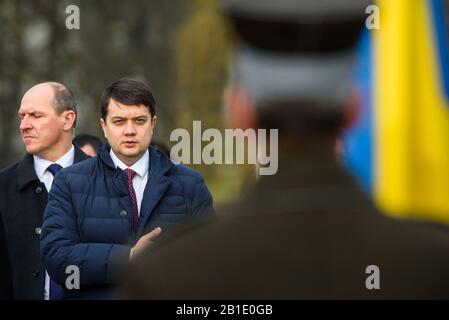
x=27, y=174
x=159, y=163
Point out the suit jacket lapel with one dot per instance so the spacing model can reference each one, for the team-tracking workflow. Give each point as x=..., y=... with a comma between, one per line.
x=154, y=190
x=26, y=172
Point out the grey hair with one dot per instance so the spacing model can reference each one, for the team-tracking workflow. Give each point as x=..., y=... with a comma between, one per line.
x=64, y=99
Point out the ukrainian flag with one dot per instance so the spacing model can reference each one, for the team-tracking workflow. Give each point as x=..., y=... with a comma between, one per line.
x=399, y=149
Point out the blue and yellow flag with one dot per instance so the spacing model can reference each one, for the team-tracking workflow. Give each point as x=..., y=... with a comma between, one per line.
x=400, y=146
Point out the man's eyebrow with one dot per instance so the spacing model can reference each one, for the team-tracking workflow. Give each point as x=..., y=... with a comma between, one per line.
x=20, y=113
x=123, y=117
x=31, y=112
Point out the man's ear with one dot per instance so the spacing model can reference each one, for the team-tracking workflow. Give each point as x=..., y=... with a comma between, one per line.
x=240, y=111
x=103, y=126
x=153, y=122
x=69, y=119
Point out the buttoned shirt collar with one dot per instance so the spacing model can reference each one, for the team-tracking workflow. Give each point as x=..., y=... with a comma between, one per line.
x=140, y=166
x=65, y=161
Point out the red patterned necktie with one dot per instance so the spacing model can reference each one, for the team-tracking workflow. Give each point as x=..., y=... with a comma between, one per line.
x=129, y=175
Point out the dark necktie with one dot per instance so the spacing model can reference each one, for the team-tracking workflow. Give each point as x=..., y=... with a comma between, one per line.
x=55, y=289
x=129, y=175
x=54, y=168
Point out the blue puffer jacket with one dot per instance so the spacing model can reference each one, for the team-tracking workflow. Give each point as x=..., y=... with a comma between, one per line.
x=88, y=219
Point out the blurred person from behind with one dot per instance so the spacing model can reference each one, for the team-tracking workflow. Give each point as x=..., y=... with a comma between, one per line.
x=109, y=208
x=307, y=231
x=88, y=143
x=47, y=118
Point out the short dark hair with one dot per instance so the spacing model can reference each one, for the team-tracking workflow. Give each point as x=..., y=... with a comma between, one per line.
x=82, y=139
x=129, y=92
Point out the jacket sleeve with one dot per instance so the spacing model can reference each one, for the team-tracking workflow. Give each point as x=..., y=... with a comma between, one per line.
x=61, y=247
x=202, y=203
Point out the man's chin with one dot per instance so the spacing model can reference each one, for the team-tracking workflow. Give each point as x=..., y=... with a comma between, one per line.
x=132, y=153
x=32, y=149
x=131, y=156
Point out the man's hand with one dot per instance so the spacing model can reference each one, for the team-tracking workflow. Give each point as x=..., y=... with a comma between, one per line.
x=145, y=241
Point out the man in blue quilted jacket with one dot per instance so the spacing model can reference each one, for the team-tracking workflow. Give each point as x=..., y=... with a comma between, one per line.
x=107, y=209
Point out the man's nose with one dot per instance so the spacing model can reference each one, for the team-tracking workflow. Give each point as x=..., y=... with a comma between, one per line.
x=25, y=123
x=130, y=128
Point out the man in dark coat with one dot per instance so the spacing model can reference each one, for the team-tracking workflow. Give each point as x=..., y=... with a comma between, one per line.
x=106, y=210
x=48, y=116
x=308, y=231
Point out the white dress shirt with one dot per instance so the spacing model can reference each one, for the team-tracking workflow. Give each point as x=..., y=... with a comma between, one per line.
x=141, y=178
x=40, y=166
